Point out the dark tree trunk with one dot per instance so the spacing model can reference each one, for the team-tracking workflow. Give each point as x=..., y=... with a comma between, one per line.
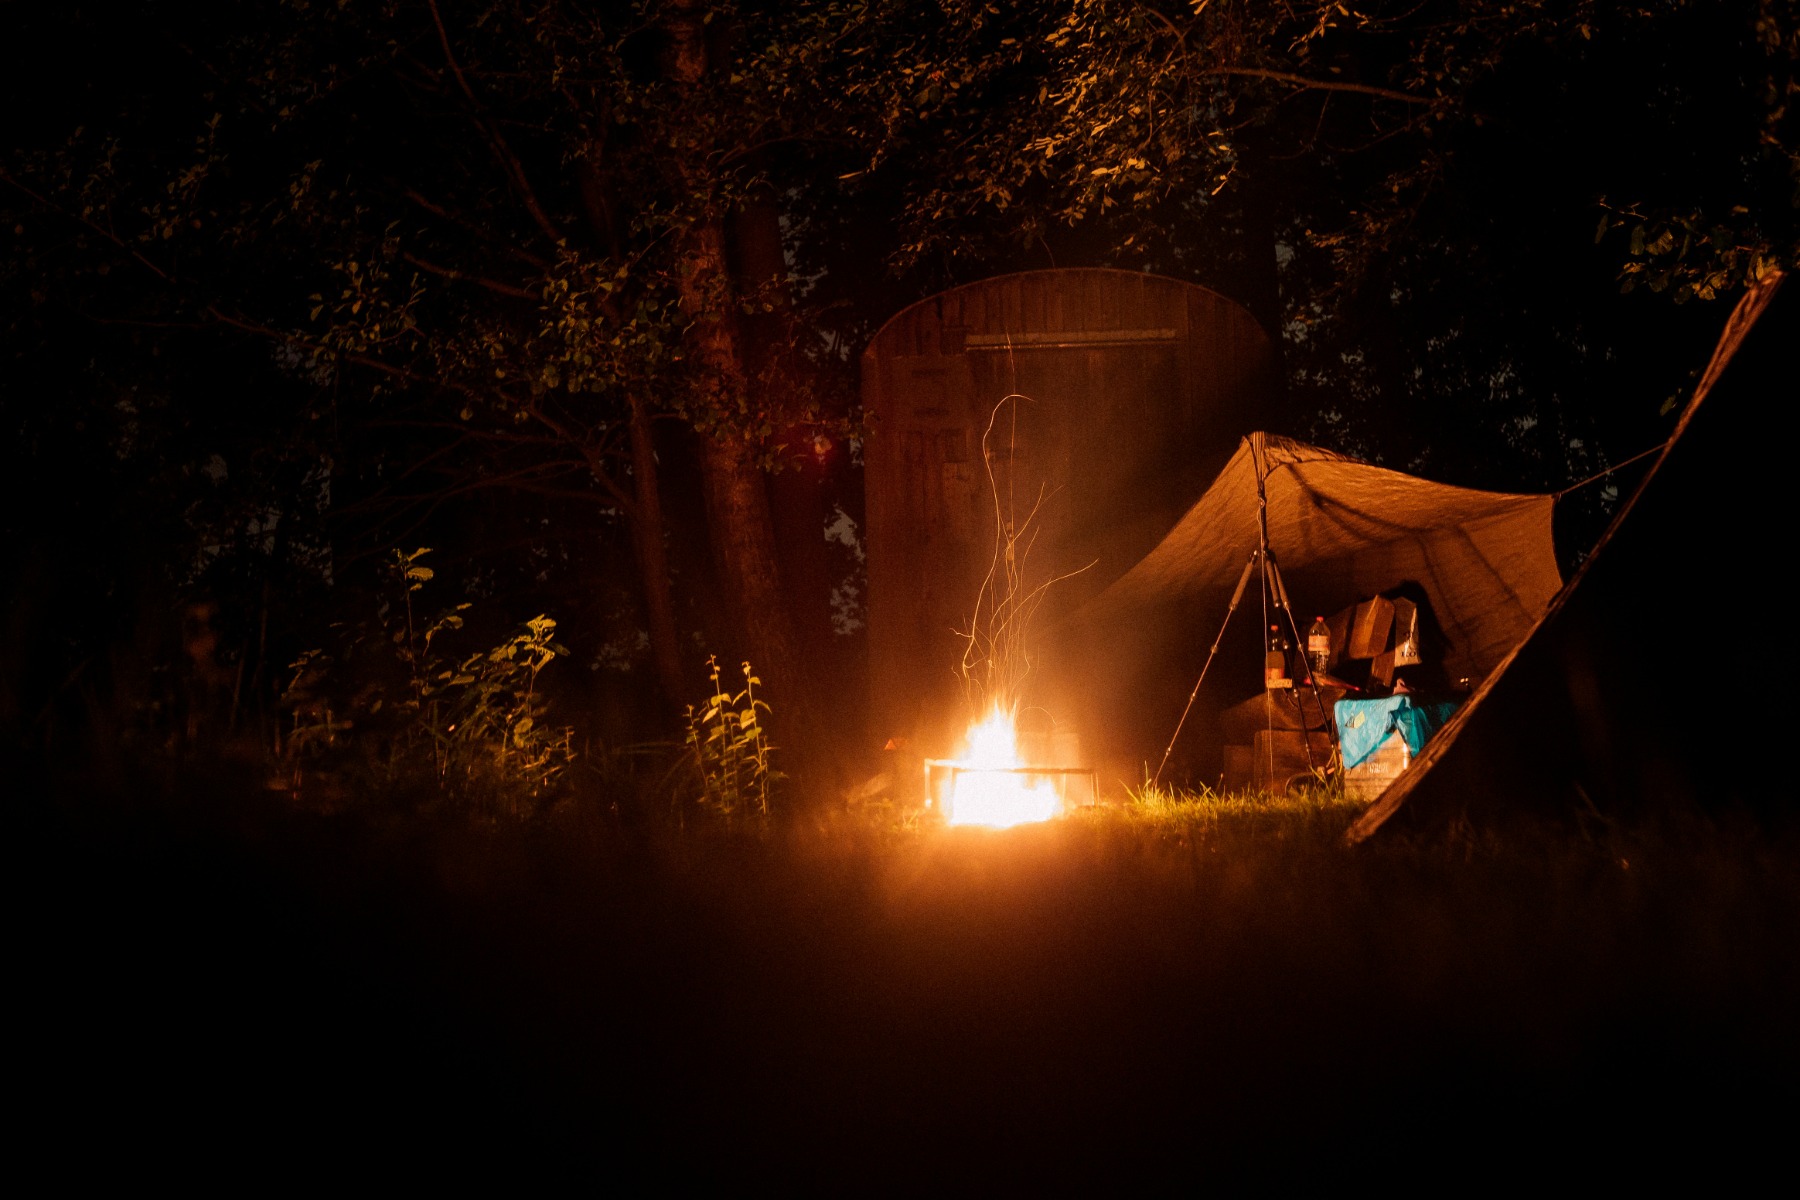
x=1261, y=286
x=797, y=496
x=647, y=528
x=737, y=503
x=743, y=538
x=1255, y=279
x=798, y=499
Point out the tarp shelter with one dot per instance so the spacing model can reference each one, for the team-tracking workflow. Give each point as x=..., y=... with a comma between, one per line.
x=1658, y=679
x=1341, y=530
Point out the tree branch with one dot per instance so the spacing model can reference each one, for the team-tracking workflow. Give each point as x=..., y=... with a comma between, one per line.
x=476, y=228
x=362, y=360
x=485, y=435
x=509, y=162
x=1321, y=85
x=595, y=459
x=108, y=234
x=518, y=480
x=492, y=285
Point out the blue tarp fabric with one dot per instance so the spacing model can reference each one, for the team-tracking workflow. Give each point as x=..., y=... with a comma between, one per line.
x=1364, y=724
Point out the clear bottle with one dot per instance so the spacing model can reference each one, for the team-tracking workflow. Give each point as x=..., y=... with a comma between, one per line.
x=1318, y=646
x=1275, y=668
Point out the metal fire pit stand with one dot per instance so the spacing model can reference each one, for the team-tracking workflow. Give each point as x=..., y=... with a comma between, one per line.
x=939, y=770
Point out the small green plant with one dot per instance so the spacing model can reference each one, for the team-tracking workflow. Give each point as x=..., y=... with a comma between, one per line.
x=489, y=720
x=387, y=707
x=731, y=750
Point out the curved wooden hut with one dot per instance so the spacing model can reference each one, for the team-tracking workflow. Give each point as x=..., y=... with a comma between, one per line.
x=1131, y=390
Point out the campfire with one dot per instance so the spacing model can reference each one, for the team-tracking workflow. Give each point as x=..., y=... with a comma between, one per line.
x=992, y=785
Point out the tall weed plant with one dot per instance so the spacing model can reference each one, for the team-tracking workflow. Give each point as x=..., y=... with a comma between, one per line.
x=385, y=708
x=730, y=749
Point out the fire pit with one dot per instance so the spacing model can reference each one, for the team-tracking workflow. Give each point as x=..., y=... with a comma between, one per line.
x=1002, y=796
x=991, y=785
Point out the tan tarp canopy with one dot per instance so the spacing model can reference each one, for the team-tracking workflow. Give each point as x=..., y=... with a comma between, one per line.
x=1485, y=559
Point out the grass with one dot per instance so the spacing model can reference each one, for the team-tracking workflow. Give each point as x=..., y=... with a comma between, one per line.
x=1205, y=988
x=1300, y=814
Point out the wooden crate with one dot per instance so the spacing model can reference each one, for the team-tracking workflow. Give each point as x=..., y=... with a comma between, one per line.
x=1369, y=778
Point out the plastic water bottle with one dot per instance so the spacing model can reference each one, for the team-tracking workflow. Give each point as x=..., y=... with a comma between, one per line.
x=1318, y=646
x=1275, y=672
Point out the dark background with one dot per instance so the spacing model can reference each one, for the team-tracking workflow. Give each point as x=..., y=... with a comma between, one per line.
x=222, y=974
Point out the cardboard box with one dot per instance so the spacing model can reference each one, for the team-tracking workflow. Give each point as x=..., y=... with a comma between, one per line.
x=1370, y=777
x=1370, y=627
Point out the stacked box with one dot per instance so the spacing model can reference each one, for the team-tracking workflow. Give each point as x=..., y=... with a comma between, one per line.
x=1370, y=777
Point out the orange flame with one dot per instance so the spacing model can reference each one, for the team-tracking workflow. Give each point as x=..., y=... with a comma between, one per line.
x=988, y=789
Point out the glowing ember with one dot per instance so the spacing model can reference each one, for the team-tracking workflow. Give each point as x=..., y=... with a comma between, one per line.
x=988, y=789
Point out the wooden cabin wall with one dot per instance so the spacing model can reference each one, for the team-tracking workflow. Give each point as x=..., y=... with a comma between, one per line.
x=1136, y=388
